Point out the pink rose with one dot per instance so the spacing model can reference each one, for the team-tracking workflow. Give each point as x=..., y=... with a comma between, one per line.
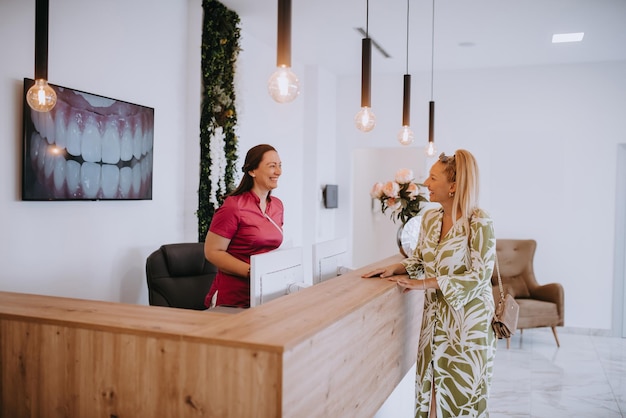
x=377, y=190
x=394, y=204
x=391, y=189
x=413, y=190
x=404, y=176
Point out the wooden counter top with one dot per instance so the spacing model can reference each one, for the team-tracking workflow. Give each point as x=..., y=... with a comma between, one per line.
x=110, y=316
x=299, y=355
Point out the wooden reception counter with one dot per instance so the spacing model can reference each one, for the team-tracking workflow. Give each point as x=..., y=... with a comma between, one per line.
x=337, y=349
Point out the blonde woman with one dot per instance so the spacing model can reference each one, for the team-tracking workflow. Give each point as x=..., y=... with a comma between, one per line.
x=452, y=264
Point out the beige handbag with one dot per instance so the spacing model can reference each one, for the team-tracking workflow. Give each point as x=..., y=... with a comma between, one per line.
x=504, y=321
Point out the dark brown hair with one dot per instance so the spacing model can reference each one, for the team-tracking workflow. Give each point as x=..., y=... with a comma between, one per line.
x=252, y=161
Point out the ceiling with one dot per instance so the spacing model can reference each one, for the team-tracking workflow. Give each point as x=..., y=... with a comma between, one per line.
x=467, y=33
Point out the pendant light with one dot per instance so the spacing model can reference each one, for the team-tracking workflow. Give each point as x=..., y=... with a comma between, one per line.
x=431, y=149
x=41, y=97
x=405, y=136
x=365, y=119
x=283, y=85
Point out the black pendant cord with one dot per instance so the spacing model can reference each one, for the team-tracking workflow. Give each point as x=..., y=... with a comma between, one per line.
x=431, y=105
x=407, y=37
x=41, y=39
x=367, y=18
x=432, y=52
x=406, y=102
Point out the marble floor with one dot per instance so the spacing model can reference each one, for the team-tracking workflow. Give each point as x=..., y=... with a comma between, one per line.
x=585, y=377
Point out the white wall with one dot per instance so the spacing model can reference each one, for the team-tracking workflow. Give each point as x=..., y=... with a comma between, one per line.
x=375, y=230
x=545, y=138
x=133, y=51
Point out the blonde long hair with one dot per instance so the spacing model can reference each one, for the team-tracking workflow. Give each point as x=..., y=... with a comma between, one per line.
x=462, y=169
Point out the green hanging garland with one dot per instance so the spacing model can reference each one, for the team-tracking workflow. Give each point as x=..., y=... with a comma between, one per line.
x=220, y=48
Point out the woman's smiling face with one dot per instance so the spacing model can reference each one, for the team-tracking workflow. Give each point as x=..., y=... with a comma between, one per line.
x=269, y=170
x=438, y=184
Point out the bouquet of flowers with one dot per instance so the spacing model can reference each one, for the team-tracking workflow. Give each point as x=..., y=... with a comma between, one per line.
x=402, y=196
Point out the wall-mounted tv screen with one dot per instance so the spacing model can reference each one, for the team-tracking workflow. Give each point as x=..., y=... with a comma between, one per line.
x=88, y=147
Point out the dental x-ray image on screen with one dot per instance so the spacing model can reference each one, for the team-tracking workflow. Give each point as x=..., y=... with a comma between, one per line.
x=88, y=147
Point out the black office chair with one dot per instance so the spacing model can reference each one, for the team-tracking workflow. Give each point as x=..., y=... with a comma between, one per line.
x=179, y=276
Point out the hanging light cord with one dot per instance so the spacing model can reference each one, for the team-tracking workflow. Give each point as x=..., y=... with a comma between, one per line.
x=432, y=51
x=367, y=18
x=407, y=36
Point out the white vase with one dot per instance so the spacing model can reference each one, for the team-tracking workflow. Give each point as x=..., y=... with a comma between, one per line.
x=407, y=236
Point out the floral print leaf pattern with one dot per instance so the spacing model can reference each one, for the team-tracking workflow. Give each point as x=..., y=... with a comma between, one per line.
x=457, y=344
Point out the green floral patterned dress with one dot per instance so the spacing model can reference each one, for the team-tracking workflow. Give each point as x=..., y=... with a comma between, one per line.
x=457, y=345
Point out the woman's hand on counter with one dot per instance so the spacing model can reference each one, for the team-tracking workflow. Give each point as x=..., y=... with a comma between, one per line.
x=386, y=272
x=407, y=284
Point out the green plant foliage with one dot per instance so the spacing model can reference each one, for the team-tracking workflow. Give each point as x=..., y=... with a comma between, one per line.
x=220, y=49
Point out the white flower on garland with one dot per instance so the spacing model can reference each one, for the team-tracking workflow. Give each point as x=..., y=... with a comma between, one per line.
x=218, y=165
x=222, y=99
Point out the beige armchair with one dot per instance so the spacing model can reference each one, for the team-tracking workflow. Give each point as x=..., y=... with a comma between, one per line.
x=539, y=305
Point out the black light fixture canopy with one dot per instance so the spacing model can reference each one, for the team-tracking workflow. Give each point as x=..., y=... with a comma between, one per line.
x=431, y=149
x=283, y=85
x=365, y=120
x=405, y=136
x=431, y=122
x=366, y=72
x=41, y=97
x=406, y=101
x=283, y=38
x=41, y=39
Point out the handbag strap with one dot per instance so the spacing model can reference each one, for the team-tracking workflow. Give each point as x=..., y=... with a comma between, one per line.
x=499, y=278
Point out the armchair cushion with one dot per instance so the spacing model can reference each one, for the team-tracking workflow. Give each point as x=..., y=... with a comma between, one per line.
x=184, y=259
x=537, y=314
x=179, y=276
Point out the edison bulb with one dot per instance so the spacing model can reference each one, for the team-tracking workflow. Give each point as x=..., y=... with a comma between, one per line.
x=430, y=149
x=365, y=120
x=283, y=85
x=405, y=136
x=41, y=97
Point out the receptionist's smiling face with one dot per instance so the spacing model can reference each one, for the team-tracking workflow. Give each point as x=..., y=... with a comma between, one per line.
x=267, y=173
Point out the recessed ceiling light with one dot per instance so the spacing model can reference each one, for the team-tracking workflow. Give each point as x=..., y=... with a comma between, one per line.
x=567, y=37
